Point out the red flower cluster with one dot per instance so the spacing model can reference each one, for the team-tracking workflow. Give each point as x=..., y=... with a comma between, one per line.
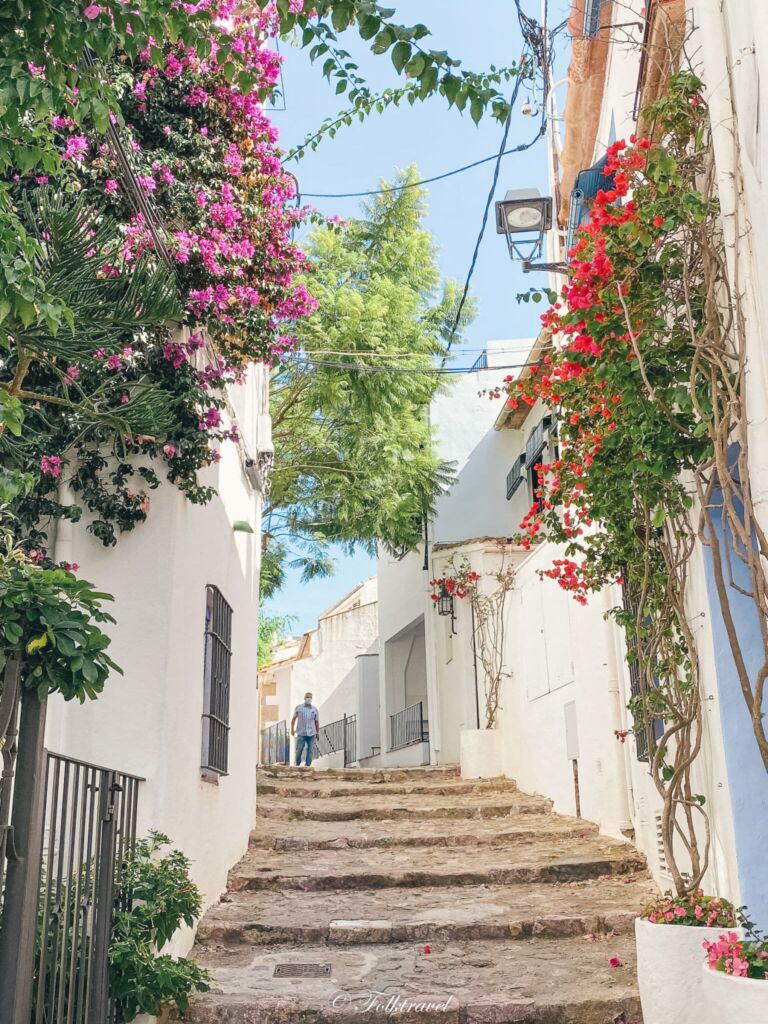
x=592, y=327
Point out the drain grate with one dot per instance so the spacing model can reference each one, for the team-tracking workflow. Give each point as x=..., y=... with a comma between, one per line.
x=302, y=971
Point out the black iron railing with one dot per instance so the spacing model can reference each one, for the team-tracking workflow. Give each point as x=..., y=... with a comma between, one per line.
x=481, y=363
x=408, y=726
x=339, y=735
x=275, y=744
x=89, y=832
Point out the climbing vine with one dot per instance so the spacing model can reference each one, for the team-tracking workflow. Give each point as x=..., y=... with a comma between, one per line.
x=487, y=595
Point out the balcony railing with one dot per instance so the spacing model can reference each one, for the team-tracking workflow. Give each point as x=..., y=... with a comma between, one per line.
x=408, y=726
x=481, y=363
x=339, y=735
x=275, y=744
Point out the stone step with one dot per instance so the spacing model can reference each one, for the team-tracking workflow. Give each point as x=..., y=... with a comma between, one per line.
x=326, y=790
x=595, y=906
x=380, y=808
x=539, y=981
x=550, y=860
x=361, y=834
x=362, y=775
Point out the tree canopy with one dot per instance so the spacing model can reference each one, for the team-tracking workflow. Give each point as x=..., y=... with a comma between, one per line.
x=355, y=461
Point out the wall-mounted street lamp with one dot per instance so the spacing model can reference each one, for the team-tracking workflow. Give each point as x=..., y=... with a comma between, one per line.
x=524, y=216
x=445, y=606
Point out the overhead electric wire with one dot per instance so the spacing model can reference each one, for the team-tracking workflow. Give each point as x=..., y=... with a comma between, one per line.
x=423, y=181
x=535, y=40
x=488, y=202
x=361, y=367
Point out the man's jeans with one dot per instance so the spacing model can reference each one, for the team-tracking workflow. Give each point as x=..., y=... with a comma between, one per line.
x=301, y=743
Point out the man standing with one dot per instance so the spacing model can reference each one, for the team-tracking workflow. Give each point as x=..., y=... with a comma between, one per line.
x=308, y=719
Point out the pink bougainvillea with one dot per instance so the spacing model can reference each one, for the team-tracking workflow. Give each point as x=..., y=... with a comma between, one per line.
x=207, y=154
x=51, y=465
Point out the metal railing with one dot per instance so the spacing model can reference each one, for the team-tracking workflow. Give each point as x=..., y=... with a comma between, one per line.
x=481, y=363
x=275, y=744
x=89, y=832
x=408, y=726
x=339, y=735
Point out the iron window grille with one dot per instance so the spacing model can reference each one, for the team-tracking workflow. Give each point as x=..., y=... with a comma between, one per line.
x=218, y=658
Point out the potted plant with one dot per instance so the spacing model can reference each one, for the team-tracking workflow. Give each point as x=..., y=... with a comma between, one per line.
x=669, y=935
x=735, y=980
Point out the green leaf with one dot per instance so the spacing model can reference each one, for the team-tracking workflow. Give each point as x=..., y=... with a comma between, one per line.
x=401, y=54
x=384, y=39
x=37, y=643
x=658, y=517
x=370, y=26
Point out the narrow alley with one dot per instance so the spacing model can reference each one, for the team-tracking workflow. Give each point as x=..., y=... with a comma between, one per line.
x=413, y=893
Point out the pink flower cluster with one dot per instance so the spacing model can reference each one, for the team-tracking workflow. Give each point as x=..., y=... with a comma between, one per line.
x=694, y=909
x=725, y=955
x=51, y=465
x=741, y=958
x=75, y=149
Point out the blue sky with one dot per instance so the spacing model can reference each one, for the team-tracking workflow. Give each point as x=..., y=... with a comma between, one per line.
x=436, y=139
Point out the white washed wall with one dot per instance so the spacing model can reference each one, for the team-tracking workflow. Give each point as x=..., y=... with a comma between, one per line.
x=148, y=721
x=331, y=671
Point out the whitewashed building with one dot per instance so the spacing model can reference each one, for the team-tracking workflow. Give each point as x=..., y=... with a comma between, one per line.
x=184, y=716
x=614, y=75
x=567, y=679
x=336, y=661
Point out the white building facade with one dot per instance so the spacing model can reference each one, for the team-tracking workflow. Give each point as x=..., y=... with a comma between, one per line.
x=617, y=74
x=567, y=678
x=337, y=663
x=184, y=715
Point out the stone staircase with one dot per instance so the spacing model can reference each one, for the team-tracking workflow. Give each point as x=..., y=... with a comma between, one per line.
x=368, y=896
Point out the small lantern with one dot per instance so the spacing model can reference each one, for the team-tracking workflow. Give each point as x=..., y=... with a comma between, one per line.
x=445, y=605
x=524, y=216
x=444, y=601
x=524, y=212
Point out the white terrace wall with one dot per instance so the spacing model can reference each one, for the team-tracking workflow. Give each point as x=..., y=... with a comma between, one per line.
x=331, y=670
x=475, y=505
x=368, y=710
x=562, y=701
x=148, y=721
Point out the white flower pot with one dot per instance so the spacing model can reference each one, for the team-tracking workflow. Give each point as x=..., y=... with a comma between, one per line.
x=726, y=998
x=669, y=959
x=480, y=753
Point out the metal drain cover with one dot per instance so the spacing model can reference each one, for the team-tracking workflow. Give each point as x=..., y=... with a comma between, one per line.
x=302, y=971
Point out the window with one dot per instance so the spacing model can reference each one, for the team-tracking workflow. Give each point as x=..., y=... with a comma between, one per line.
x=218, y=656
x=592, y=10
x=541, y=438
x=515, y=477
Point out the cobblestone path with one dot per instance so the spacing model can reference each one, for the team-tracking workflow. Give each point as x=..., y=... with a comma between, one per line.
x=419, y=897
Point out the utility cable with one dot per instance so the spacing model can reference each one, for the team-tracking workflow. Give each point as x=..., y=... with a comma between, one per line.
x=423, y=181
x=361, y=367
x=489, y=200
